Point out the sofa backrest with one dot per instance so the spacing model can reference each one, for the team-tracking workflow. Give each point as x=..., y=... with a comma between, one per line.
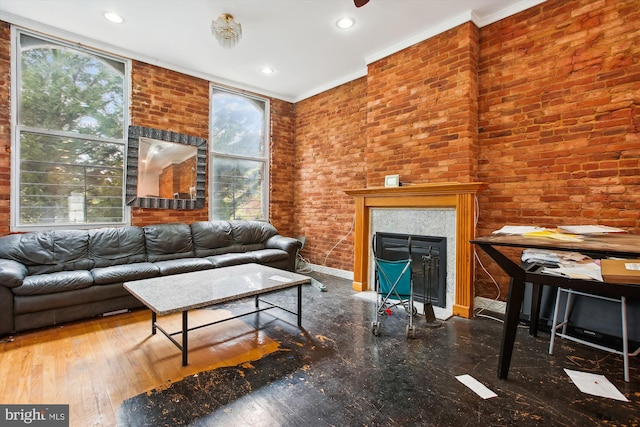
x=251, y=232
x=113, y=246
x=48, y=251
x=217, y=237
x=211, y=237
x=168, y=241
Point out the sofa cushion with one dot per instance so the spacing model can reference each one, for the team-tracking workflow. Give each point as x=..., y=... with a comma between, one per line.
x=183, y=265
x=48, y=251
x=94, y=295
x=168, y=241
x=113, y=246
x=266, y=256
x=247, y=232
x=51, y=283
x=226, y=260
x=210, y=236
x=12, y=273
x=124, y=273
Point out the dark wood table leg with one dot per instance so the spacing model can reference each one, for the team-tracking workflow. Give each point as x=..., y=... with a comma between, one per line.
x=512, y=318
x=154, y=317
x=514, y=305
x=185, y=333
x=536, y=296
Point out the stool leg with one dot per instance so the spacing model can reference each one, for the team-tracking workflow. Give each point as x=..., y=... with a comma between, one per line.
x=555, y=320
x=567, y=311
x=625, y=338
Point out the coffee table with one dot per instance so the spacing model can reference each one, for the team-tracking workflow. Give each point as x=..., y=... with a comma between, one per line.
x=180, y=293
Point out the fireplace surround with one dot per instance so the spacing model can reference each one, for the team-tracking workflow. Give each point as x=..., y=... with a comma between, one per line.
x=459, y=196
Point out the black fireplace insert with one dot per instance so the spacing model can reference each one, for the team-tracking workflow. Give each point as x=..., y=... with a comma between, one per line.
x=428, y=262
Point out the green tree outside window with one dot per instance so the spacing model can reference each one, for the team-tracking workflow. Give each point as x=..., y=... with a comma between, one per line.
x=71, y=120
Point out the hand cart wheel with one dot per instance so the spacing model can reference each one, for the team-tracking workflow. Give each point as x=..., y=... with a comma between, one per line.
x=411, y=331
x=375, y=328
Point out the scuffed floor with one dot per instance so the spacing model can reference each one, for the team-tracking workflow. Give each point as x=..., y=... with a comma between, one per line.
x=335, y=372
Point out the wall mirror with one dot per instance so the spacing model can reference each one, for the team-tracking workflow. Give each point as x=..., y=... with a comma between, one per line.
x=165, y=170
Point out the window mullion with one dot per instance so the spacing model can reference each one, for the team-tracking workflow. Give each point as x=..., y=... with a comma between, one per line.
x=63, y=134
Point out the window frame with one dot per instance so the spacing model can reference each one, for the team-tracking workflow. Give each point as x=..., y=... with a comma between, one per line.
x=265, y=159
x=17, y=129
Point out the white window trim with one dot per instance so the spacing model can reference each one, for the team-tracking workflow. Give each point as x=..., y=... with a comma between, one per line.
x=15, y=146
x=267, y=150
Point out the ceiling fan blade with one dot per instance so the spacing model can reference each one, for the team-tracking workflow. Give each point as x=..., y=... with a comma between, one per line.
x=360, y=3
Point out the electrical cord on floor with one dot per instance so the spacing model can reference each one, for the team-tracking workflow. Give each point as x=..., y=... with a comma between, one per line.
x=339, y=241
x=475, y=254
x=303, y=265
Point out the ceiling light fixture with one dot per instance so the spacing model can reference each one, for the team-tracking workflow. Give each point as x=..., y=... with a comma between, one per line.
x=266, y=70
x=344, y=23
x=227, y=31
x=114, y=17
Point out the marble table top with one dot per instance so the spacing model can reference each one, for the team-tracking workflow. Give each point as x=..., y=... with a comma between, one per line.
x=188, y=291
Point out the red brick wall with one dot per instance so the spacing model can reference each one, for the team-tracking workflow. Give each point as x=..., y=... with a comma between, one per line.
x=560, y=119
x=5, y=127
x=330, y=158
x=281, y=190
x=168, y=100
x=422, y=111
x=550, y=122
x=415, y=114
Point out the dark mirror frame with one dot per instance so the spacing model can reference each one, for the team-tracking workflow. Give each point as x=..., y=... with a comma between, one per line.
x=133, y=149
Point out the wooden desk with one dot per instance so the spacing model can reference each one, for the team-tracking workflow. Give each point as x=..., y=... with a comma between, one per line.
x=597, y=246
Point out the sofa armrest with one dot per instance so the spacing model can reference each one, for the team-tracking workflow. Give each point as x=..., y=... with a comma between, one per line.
x=288, y=244
x=12, y=273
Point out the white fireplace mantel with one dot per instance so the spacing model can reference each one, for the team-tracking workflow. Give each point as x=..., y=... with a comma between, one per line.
x=460, y=196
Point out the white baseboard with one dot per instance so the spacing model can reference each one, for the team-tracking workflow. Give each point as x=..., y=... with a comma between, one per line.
x=489, y=304
x=332, y=271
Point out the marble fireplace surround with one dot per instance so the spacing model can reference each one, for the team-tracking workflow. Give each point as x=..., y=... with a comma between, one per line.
x=459, y=196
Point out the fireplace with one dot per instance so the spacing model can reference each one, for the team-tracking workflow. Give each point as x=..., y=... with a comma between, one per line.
x=428, y=262
x=458, y=197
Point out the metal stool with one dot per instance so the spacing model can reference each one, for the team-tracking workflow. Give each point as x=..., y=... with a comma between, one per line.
x=556, y=325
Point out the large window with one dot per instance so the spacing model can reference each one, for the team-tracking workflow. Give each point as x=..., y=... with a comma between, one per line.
x=239, y=156
x=69, y=139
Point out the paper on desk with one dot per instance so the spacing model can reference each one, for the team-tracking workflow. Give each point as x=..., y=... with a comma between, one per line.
x=590, y=229
x=550, y=234
x=589, y=270
x=517, y=229
x=595, y=385
x=476, y=386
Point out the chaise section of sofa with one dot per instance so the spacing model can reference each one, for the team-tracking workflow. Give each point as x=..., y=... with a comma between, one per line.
x=52, y=277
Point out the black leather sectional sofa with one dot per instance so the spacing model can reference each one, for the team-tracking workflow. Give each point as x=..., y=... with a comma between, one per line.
x=52, y=277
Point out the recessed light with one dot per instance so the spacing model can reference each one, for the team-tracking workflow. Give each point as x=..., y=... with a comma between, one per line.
x=266, y=70
x=344, y=23
x=114, y=17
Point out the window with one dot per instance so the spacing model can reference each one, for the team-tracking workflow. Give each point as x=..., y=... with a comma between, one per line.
x=239, y=156
x=69, y=137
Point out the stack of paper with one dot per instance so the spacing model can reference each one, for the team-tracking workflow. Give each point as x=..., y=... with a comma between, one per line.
x=517, y=229
x=590, y=229
x=576, y=271
x=550, y=234
x=542, y=256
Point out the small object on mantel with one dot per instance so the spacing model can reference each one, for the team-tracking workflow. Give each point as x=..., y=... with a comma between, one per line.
x=392, y=181
x=622, y=271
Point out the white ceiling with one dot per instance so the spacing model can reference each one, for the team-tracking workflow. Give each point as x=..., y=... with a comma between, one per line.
x=297, y=38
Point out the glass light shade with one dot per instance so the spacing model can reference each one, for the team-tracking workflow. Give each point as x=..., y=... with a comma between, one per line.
x=227, y=31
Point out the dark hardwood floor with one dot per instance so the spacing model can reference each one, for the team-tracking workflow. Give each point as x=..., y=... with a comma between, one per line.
x=262, y=371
